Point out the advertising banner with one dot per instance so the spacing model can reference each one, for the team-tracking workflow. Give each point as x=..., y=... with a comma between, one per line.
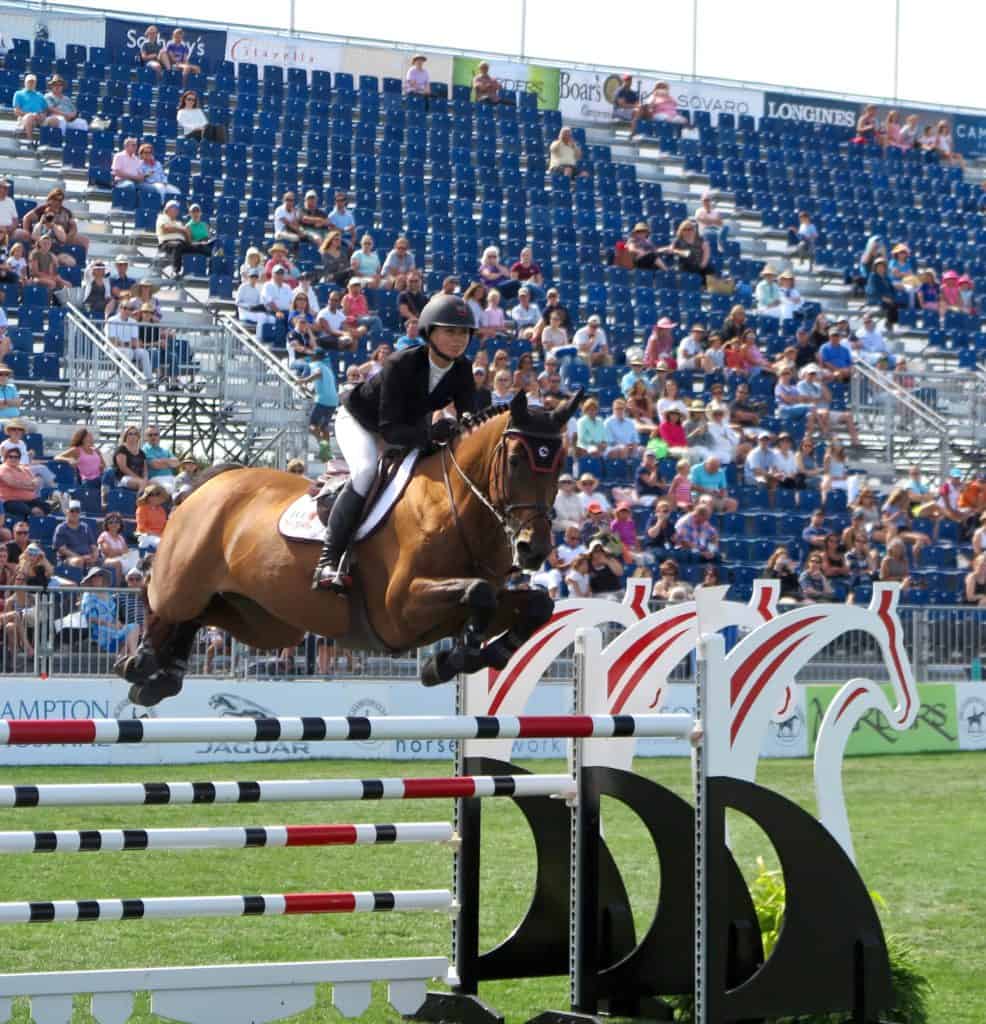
x=970, y=134
x=252, y=48
x=970, y=704
x=588, y=95
x=935, y=729
x=543, y=82
x=124, y=38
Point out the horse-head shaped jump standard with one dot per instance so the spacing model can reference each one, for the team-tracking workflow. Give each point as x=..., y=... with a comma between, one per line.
x=435, y=568
x=763, y=664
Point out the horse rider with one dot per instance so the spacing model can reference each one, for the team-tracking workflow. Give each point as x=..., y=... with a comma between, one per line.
x=395, y=408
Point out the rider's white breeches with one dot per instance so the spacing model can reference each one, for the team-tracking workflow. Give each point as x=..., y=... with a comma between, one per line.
x=359, y=448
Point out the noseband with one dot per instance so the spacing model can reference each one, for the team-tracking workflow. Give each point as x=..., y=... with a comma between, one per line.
x=544, y=454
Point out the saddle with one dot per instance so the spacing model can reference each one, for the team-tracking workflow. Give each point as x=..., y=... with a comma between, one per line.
x=305, y=518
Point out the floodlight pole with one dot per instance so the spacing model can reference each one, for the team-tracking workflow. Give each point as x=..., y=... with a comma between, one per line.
x=523, y=29
x=694, y=38
x=291, y=16
x=896, y=47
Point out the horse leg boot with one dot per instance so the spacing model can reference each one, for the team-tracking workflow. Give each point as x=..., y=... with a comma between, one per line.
x=171, y=660
x=468, y=655
x=343, y=521
x=526, y=611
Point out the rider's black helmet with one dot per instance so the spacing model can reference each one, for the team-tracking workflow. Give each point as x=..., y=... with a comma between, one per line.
x=445, y=311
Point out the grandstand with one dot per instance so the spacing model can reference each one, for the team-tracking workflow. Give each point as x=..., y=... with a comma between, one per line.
x=454, y=176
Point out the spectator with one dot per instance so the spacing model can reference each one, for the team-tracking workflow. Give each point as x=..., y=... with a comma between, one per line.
x=330, y=324
x=161, y=462
x=727, y=444
x=622, y=441
x=836, y=475
x=314, y=220
x=659, y=535
x=979, y=537
x=591, y=433
x=502, y=393
x=803, y=239
x=287, y=223
x=279, y=257
x=642, y=249
x=9, y=218
x=893, y=566
x=680, y=488
x=528, y=273
x=277, y=295
x=152, y=516
x=658, y=105
x=804, y=351
x=880, y=292
x=577, y=577
x=357, y=310
x=154, y=177
x=669, y=581
x=494, y=274
x=972, y=497
x=897, y=522
x=768, y=295
x=816, y=531
x=18, y=544
x=129, y=467
x=54, y=218
x=744, y=411
x=691, y=349
x=412, y=301
x=782, y=567
x=967, y=297
x=198, y=229
x=708, y=480
x=301, y=333
x=121, y=281
x=16, y=431
x=73, y=541
x=950, y=296
x=760, y=466
x=872, y=345
x=735, y=323
x=712, y=228
x=62, y=111
x=342, y=219
x=564, y=155
x=193, y=122
x=43, y=267
x=179, y=54
x=833, y=558
x=691, y=253
x=791, y=301
x=974, y=588
x=19, y=487
x=813, y=391
x=625, y=100
x=672, y=432
x=635, y=375
x=694, y=532
x=808, y=467
x=648, y=484
x=153, y=53
x=590, y=494
x=525, y=314
x=398, y=264
x=591, y=344
x=790, y=404
x=174, y=240
x=411, y=337
x=554, y=337
x=605, y=572
x=321, y=375
x=100, y=613
x=123, y=331
x=568, y=506
x=417, y=81
x=622, y=526
x=335, y=262
x=814, y=584
x=485, y=88
x=945, y=147
x=250, y=307
x=29, y=107
x=697, y=432
x=83, y=454
x=484, y=397
x=861, y=563
x=114, y=548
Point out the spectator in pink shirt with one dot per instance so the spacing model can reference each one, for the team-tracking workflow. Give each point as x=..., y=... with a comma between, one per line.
x=660, y=105
x=127, y=165
x=417, y=80
x=622, y=526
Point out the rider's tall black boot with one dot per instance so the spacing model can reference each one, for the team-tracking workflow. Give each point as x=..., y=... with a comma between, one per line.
x=343, y=520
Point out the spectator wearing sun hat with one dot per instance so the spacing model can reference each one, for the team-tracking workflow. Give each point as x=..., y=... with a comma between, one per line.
x=768, y=294
x=660, y=344
x=951, y=295
x=635, y=360
x=417, y=81
x=62, y=111
x=589, y=492
x=16, y=430
x=100, y=613
x=568, y=506
x=642, y=249
x=880, y=291
x=903, y=274
x=967, y=294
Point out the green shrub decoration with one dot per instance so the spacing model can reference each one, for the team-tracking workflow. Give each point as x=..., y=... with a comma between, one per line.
x=911, y=987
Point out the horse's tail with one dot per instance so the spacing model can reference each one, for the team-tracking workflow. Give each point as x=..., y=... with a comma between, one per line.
x=205, y=476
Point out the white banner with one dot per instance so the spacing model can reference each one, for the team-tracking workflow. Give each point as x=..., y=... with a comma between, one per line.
x=970, y=706
x=588, y=95
x=224, y=698
x=250, y=48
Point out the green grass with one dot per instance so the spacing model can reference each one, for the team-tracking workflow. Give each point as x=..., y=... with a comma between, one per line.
x=919, y=830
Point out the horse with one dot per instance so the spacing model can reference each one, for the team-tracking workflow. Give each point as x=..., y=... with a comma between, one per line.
x=437, y=567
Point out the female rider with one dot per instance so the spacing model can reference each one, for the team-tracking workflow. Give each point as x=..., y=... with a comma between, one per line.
x=395, y=408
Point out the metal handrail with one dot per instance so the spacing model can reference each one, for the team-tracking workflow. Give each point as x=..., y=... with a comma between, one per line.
x=99, y=341
x=886, y=383
x=271, y=362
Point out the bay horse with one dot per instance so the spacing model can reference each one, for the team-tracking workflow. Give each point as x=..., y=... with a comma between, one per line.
x=435, y=568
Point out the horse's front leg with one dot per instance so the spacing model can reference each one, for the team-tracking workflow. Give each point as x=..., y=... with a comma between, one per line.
x=519, y=615
x=468, y=607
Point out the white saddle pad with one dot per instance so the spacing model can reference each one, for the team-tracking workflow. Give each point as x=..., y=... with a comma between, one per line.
x=299, y=521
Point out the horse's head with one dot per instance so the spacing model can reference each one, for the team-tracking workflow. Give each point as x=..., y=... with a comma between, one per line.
x=532, y=450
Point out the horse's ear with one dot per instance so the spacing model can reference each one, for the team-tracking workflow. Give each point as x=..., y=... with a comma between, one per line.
x=563, y=412
x=518, y=406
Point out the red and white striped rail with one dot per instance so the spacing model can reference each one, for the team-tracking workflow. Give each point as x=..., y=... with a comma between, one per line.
x=36, y=912
x=283, y=791
x=230, y=838
x=22, y=731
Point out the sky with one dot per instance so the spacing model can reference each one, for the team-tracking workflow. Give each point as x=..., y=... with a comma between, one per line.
x=841, y=46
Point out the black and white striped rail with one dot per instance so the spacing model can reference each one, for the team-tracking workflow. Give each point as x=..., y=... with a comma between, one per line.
x=224, y=838
x=22, y=731
x=279, y=904
x=282, y=791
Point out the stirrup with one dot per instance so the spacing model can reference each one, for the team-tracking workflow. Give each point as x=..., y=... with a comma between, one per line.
x=333, y=577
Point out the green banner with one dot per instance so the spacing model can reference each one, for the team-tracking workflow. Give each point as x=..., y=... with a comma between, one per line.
x=934, y=729
x=544, y=82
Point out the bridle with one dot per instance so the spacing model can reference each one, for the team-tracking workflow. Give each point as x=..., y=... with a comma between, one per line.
x=546, y=458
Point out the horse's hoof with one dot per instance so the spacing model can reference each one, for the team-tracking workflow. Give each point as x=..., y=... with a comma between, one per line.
x=136, y=668
x=440, y=668
x=155, y=690
x=497, y=654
